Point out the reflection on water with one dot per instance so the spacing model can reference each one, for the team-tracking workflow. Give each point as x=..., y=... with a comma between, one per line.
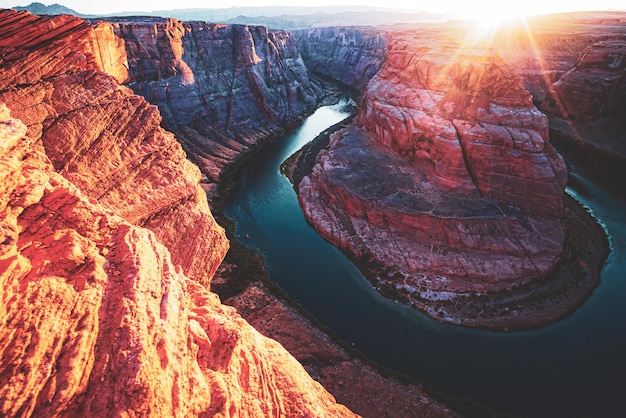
x=573, y=367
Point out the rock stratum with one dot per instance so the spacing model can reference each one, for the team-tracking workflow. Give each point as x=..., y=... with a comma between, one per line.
x=60, y=77
x=446, y=188
x=351, y=56
x=222, y=89
x=108, y=246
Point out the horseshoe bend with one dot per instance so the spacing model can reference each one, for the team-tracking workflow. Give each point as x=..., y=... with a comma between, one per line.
x=121, y=137
x=448, y=191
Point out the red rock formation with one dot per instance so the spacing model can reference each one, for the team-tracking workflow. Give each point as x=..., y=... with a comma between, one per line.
x=102, y=137
x=488, y=136
x=98, y=321
x=447, y=181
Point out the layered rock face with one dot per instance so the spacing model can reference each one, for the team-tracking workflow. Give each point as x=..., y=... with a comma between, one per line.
x=588, y=109
x=98, y=321
x=574, y=67
x=349, y=55
x=447, y=182
x=102, y=137
x=220, y=88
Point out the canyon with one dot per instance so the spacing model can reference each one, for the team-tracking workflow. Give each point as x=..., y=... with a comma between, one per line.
x=106, y=204
x=220, y=88
x=110, y=245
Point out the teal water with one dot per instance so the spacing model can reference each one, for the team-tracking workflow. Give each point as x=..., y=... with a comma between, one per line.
x=573, y=368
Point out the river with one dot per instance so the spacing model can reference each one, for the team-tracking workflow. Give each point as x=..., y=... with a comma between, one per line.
x=574, y=367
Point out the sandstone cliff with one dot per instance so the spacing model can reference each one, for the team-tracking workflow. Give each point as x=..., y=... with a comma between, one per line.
x=102, y=137
x=220, y=88
x=98, y=321
x=349, y=55
x=446, y=187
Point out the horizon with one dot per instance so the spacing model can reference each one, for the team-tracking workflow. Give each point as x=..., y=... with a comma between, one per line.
x=474, y=10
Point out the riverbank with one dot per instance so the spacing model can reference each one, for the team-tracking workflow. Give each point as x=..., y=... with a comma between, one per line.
x=524, y=307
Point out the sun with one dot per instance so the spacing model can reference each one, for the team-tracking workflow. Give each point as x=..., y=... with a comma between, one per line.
x=490, y=18
x=485, y=22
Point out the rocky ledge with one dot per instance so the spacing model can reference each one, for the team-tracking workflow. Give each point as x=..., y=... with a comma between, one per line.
x=447, y=191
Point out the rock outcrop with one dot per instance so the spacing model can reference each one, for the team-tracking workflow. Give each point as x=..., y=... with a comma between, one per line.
x=221, y=88
x=102, y=137
x=349, y=55
x=446, y=187
x=98, y=321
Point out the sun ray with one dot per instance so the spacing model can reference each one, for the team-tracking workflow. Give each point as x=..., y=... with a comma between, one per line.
x=546, y=79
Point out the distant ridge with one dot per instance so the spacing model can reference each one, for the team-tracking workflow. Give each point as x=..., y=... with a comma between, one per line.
x=274, y=17
x=54, y=9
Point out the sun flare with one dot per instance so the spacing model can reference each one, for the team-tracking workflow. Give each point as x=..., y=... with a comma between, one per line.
x=495, y=17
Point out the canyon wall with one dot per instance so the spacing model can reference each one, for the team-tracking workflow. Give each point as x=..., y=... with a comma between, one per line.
x=101, y=136
x=108, y=246
x=595, y=87
x=220, y=88
x=573, y=64
x=349, y=55
x=588, y=108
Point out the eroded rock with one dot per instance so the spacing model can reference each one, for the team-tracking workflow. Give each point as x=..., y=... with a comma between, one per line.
x=97, y=320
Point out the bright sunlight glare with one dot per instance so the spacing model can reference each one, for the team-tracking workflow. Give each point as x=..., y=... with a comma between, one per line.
x=490, y=18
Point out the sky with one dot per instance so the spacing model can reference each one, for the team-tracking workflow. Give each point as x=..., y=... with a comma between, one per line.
x=470, y=8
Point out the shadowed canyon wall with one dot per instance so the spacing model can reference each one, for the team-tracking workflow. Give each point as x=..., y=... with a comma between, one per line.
x=588, y=104
x=349, y=55
x=101, y=316
x=220, y=88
